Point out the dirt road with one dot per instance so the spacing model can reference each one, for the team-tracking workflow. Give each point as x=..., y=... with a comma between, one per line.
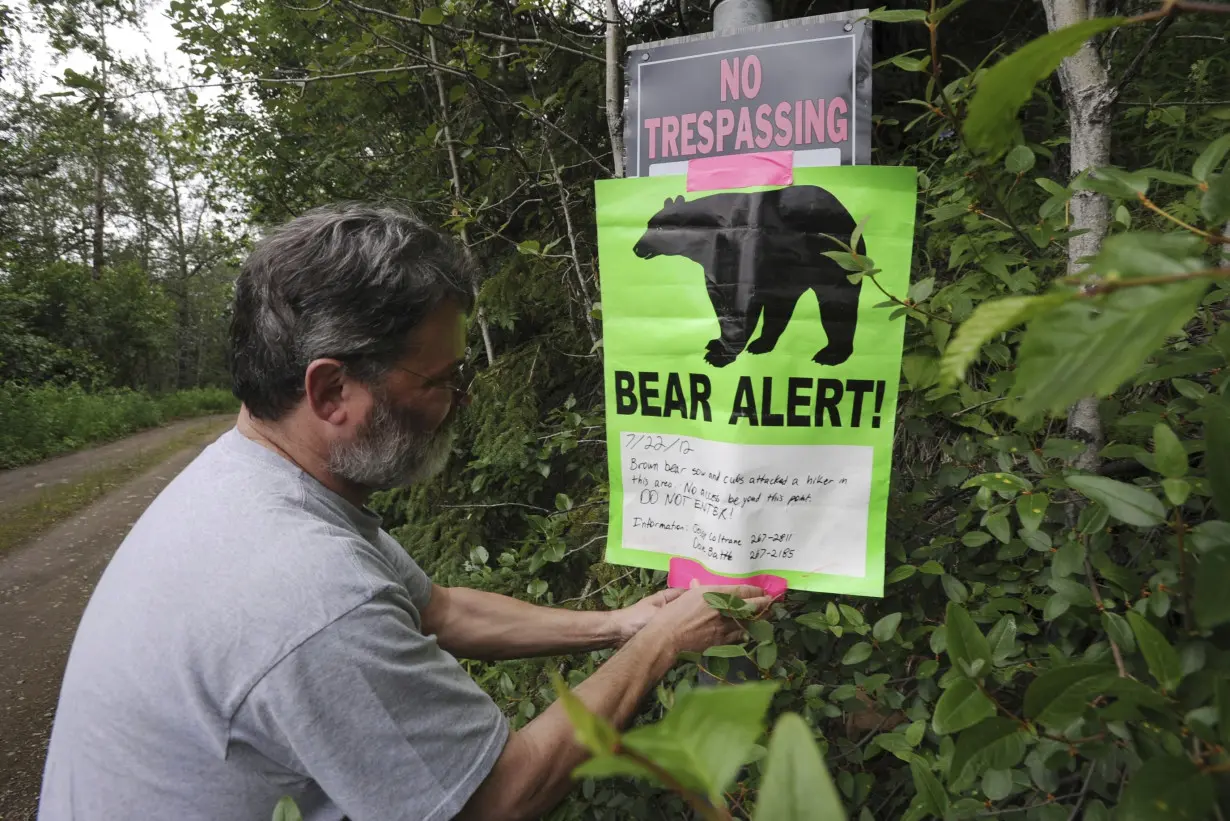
x=45, y=584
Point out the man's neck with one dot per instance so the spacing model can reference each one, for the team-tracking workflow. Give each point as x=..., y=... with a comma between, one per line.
x=280, y=437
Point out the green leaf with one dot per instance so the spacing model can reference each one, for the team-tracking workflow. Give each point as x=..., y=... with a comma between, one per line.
x=1113, y=182
x=1000, y=481
x=931, y=793
x=1127, y=503
x=931, y=568
x=1176, y=490
x=1215, y=204
x=998, y=525
x=766, y=655
x=954, y=588
x=1002, y=638
x=997, y=784
x=975, y=538
x=1217, y=453
x=997, y=743
x=562, y=502
x=760, y=630
x=886, y=627
x=1007, y=85
x=848, y=261
x=1168, y=452
x=1119, y=630
x=883, y=15
x=1031, y=509
x=1212, y=605
x=1210, y=158
x=728, y=604
x=74, y=79
x=1072, y=591
x=989, y=319
x=900, y=573
x=1060, y=696
x=857, y=654
x=1090, y=347
x=708, y=735
x=796, y=783
x=852, y=616
x=1162, y=659
x=1069, y=559
x=961, y=706
x=1167, y=788
x=431, y=16
x=287, y=810
x=725, y=651
x=922, y=289
x=967, y=647
x=1019, y=160
x=813, y=621
x=1147, y=253
x=1171, y=177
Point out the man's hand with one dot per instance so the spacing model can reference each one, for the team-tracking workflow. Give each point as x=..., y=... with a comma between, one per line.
x=688, y=623
x=629, y=620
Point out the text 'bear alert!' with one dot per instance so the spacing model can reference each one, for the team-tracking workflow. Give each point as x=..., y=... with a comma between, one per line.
x=796, y=401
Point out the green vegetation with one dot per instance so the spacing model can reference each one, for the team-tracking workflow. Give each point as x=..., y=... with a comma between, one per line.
x=39, y=422
x=116, y=258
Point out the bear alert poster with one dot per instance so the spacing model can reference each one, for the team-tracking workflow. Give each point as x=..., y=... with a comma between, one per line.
x=751, y=387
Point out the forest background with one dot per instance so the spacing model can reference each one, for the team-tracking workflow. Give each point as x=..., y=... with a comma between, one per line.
x=1053, y=641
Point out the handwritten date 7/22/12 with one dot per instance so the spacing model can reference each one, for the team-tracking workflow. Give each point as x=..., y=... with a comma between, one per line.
x=657, y=444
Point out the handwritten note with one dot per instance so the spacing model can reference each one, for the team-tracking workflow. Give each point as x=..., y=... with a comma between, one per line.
x=742, y=508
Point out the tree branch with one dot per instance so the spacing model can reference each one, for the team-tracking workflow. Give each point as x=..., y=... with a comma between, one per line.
x=487, y=35
x=295, y=81
x=1133, y=67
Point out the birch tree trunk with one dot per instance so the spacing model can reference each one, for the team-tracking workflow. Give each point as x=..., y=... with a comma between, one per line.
x=1088, y=96
x=614, y=98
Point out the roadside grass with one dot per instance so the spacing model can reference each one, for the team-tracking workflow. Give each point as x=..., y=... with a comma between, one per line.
x=40, y=422
x=59, y=501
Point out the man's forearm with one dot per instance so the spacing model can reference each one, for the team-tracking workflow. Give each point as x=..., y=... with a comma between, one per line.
x=534, y=772
x=487, y=626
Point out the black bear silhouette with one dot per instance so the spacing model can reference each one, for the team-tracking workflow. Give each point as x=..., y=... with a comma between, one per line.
x=761, y=251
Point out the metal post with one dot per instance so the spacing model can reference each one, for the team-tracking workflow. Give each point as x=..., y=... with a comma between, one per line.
x=733, y=14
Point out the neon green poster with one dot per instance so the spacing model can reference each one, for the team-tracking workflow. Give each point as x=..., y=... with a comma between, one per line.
x=751, y=387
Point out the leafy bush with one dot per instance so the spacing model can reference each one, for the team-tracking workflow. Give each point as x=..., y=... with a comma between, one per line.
x=37, y=422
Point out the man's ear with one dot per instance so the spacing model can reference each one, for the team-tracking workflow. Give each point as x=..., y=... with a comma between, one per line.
x=328, y=390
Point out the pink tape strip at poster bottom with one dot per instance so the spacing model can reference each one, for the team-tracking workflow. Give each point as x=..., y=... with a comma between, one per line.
x=741, y=171
x=684, y=571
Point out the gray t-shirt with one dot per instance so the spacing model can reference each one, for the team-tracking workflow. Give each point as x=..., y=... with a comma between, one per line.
x=256, y=636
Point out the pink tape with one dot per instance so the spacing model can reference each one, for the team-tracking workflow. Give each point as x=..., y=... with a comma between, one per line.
x=684, y=571
x=741, y=171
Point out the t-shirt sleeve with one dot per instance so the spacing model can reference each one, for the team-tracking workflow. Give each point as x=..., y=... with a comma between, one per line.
x=384, y=721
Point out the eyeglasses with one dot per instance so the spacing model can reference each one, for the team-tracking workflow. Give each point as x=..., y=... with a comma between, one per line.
x=460, y=385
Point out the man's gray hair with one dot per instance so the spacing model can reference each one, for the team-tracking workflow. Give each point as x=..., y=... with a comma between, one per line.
x=347, y=281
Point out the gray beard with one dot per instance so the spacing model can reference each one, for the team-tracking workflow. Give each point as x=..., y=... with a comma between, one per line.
x=391, y=451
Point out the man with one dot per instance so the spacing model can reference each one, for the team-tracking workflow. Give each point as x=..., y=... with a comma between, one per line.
x=258, y=634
